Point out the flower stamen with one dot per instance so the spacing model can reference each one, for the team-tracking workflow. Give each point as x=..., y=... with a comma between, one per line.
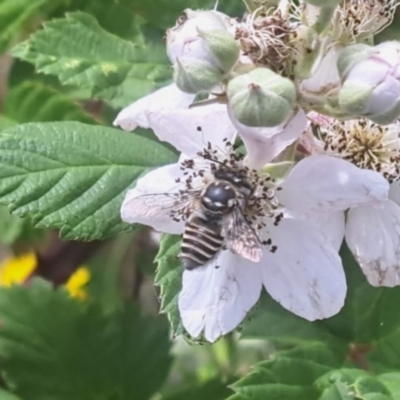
x=267, y=39
x=365, y=144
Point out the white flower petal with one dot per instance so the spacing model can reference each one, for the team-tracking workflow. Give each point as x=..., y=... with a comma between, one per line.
x=321, y=183
x=369, y=72
x=386, y=95
x=394, y=192
x=169, y=97
x=326, y=76
x=217, y=299
x=190, y=130
x=331, y=225
x=305, y=273
x=373, y=235
x=264, y=144
x=148, y=210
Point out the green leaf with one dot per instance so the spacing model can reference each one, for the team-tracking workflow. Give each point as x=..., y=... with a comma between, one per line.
x=169, y=279
x=11, y=227
x=213, y=389
x=290, y=374
x=350, y=384
x=34, y=102
x=150, y=10
x=73, y=176
x=392, y=381
x=4, y=395
x=55, y=347
x=111, y=68
x=6, y=122
x=270, y=320
x=115, y=16
x=13, y=15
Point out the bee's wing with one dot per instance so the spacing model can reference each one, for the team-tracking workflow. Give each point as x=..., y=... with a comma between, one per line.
x=241, y=238
x=164, y=204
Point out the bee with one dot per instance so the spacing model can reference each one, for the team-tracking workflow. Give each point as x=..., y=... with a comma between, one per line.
x=214, y=217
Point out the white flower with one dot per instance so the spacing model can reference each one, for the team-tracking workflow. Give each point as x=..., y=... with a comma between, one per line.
x=299, y=268
x=372, y=231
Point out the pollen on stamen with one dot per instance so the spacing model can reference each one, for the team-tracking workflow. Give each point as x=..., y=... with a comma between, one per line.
x=365, y=144
x=359, y=19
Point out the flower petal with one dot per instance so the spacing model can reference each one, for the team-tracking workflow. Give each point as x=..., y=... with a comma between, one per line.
x=373, y=235
x=331, y=225
x=148, y=210
x=305, y=273
x=169, y=97
x=394, y=192
x=264, y=144
x=217, y=299
x=190, y=130
x=321, y=183
x=326, y=76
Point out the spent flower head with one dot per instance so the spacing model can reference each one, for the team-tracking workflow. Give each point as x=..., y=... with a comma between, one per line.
x=354, y=21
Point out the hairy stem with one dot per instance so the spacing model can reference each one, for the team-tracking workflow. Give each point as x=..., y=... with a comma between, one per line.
x=324, y=18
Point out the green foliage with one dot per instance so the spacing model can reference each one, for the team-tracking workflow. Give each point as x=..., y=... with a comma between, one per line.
x=13, y=15
x=34, y=102
x=366, y=334
x=210, y=390
x=55, y=347
x=151, y=10
x=290, y=374
x=312, y=371
x=11, y=227
x=73, y=176
x=79, y=52
x=168, y=278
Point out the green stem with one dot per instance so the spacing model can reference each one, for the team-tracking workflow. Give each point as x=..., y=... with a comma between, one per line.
x=324, y=18
x=250, y=5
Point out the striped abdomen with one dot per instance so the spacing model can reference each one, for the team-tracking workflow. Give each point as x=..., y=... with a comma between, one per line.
x=201, y=242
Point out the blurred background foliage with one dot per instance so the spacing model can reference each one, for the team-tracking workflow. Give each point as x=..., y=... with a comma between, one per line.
x=80, y=320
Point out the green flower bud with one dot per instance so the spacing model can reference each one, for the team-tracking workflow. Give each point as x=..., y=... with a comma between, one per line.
x=195, y=76
x=261, y=98
x=222, y=46
x=352, y=98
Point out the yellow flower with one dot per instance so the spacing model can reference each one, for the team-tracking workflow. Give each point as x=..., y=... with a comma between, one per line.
x=17, y=269
x=77, y=282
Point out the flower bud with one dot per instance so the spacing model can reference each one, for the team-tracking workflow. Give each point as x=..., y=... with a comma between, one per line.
x=371, y=81
x=195, y=76
x=222, y=46
x=261, y=98
x=203, y=36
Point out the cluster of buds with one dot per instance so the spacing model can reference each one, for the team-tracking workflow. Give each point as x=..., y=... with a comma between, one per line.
x=283, y=55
